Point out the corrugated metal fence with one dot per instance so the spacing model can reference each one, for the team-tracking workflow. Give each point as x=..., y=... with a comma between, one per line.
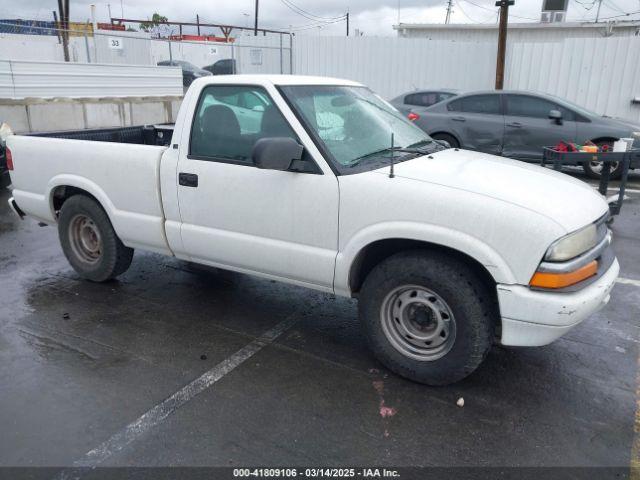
x=59, y=79
x=601, y=74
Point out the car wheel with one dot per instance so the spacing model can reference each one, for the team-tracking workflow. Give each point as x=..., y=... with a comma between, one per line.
x=594, y=169
x=427, y=317
x=89, y=242
x=451, y=140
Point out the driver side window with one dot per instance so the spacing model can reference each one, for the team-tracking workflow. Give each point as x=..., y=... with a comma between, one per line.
x=229, y=120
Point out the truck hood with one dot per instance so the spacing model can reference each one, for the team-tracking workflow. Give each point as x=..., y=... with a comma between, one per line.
x=569, y=202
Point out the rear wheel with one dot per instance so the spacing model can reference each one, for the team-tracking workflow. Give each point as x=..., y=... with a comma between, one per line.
x=427, y=316
x=594, y=169
x=89, y=242
x=447, y=138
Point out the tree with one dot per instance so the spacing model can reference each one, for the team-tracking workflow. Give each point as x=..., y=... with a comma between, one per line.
x=157, y=25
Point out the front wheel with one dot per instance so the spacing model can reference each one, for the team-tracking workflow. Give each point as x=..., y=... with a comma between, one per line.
x=427, y=316
x=89, y=241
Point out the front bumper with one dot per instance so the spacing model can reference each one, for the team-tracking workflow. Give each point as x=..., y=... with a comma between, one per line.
x=532, y=318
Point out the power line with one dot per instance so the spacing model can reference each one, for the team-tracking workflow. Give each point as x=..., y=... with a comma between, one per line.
x=621, y=15
x=490, y=19
x=314, y=25
x=308, y=15
x=613, y=6
x=493, y=10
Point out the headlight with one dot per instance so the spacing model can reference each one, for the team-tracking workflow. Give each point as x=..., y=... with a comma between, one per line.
x=572, y=245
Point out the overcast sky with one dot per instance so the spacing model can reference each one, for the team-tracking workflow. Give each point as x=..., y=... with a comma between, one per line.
x=313, y=17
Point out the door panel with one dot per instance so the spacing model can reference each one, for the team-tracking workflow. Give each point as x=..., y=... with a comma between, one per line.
x=234, y=215
x=528, y=128
x=477, y=121
x=282, y=224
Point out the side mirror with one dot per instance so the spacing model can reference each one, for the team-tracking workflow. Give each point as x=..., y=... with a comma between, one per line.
x=556, y=115
x=276, y=153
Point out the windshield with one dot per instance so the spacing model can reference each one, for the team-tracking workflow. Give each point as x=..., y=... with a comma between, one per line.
x=354, y=124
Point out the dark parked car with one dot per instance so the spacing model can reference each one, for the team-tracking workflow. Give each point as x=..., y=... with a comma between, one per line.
x=422, y=98
x=189, y=71
x=226, y=66
x=519, y=124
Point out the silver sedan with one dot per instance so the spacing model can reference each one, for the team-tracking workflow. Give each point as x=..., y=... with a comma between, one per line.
x=519, y=124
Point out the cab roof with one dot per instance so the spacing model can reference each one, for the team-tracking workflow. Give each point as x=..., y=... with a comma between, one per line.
x=279, y=80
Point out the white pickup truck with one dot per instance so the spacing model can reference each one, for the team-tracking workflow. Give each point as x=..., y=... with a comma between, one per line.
x=298, y=179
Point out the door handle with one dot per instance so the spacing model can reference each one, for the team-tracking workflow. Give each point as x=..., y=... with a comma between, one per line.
x=514, y=125
x=459, y=119
x=188, y=179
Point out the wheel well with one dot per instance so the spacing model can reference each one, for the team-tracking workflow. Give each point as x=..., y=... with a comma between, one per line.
x=376, y=252
x=446, y=133
x=63, y=193
x=605, y=139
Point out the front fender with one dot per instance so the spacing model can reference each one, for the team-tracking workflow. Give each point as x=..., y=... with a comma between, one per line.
x=435, y=234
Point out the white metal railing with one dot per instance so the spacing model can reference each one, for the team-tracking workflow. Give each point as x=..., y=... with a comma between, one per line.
x=21, y=79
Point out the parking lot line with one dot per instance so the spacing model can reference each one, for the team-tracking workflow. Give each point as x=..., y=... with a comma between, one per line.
x=628, y=281
x=156, y=415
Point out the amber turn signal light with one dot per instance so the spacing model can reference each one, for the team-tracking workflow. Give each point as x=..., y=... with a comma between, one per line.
x=561, y=280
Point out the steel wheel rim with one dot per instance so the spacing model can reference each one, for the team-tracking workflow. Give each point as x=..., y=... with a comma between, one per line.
x=598, y=167
x=85, y=239
x=418, y=322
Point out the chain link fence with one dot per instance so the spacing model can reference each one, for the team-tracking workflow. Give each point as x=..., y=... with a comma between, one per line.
x=42, y=41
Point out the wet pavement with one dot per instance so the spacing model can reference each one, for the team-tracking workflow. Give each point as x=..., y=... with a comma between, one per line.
x=80, y=361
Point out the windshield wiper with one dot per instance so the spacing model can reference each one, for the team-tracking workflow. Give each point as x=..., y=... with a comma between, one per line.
x=356, y=161
x=409, y=150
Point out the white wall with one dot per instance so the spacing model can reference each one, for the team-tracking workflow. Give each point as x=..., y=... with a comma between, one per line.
x=520, y=32
x=601, y=74
x=391, y=66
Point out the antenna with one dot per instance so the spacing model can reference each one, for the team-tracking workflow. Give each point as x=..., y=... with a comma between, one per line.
x=391, y=174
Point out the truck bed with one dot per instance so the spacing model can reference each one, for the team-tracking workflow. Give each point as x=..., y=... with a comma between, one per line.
x=159, y=134
x=123, y=175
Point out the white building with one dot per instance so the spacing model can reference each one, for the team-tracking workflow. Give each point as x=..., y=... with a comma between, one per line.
x=518, y=32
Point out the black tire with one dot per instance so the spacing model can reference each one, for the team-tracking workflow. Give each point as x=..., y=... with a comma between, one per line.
x=447, y=138
x=593, y=170
x=110, y=257
x=468, y=298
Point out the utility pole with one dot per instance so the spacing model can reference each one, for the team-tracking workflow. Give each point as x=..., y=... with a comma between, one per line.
x=347, y=23
x=502, y=40
x=449, y=7
x=63, y=8
x=598, y=12
x=255, y=30
x=198, y=23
